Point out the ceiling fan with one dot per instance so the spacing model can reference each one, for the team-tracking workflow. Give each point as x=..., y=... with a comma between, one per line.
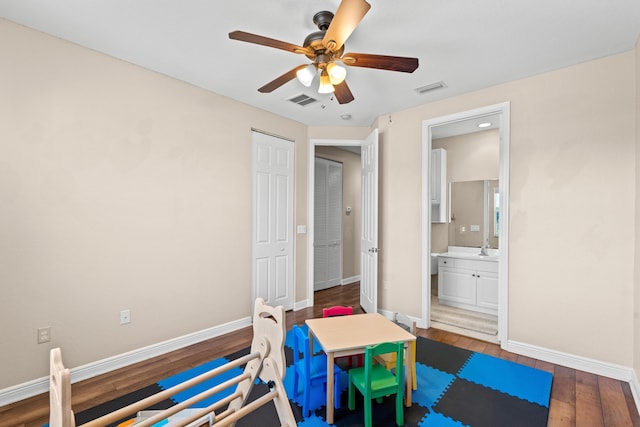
x=325, y=47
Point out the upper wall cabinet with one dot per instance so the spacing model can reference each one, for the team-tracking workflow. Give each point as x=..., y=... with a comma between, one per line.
x=438, y=186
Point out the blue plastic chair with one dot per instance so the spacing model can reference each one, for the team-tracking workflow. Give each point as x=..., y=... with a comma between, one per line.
x=311, y=370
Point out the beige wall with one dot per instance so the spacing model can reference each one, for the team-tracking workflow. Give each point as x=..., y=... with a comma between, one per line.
x=114, y=188
x=471, y=157
x=350, y=197
x=120, y=188
x=572, y=166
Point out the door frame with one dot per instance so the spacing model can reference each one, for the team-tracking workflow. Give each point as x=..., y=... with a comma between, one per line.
x=503, y=240
x=310, y=204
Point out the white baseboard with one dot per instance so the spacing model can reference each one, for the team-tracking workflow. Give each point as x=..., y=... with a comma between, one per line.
x=41, y=385
x=386, y=313
x=635, y=390
x=337, y=282
x=300, y=305
x=349, y=280
x=597, y=367
x=391, y=315
x=605, y=369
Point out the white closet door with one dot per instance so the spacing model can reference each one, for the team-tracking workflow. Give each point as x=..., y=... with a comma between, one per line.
x=273, y=219
x=328, y=224
x=320, y=246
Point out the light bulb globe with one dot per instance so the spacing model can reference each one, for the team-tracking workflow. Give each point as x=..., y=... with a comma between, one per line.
x=336, y=73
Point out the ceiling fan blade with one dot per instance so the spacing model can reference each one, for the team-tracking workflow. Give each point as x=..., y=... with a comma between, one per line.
x=343, y=93
x=266, y=41
x=279, y=81
x=346, y=19
x=381, y=62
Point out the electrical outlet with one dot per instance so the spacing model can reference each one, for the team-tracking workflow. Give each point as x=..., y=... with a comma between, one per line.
x=44, y=334
x=125, y=317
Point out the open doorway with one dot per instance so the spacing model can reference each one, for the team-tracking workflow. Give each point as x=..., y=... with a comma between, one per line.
x=438, y=226
x=365, y=230
x=336, y=215
x=335, y=199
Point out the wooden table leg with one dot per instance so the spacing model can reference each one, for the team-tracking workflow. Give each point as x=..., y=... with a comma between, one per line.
x=408, y=378
x=330, y=374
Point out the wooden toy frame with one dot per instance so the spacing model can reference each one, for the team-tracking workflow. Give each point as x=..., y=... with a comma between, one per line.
x=265, y=361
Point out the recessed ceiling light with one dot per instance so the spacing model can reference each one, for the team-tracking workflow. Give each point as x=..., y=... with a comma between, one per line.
x=484, y=125
x=346, y=117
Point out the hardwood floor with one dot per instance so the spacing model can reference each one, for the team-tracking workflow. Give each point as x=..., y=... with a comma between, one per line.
x=577, y=398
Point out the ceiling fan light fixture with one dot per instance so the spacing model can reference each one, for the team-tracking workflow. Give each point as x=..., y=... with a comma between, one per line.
x=336, y=73
x=325, y=46
x=325, y=83
x=306, y=75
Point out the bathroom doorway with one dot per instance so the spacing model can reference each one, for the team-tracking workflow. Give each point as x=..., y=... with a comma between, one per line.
x=483, y=164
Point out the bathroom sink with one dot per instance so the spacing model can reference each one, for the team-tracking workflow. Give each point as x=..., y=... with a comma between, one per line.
x=469, y=255
x=465, y=252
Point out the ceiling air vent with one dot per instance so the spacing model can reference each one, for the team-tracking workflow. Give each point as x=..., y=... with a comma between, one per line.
x=430, y=87
x=302, y=100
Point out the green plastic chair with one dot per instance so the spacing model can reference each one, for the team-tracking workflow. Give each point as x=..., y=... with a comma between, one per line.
x=375, y=382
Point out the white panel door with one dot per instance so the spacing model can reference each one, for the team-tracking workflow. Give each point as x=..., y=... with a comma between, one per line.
x=327, y=245
x=273, y=235
x=369, y=238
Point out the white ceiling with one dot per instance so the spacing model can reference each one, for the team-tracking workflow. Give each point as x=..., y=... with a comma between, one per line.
x=462, y=127
x=467, y=44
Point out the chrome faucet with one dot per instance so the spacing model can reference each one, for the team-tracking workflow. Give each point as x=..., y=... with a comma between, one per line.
x=483, y=248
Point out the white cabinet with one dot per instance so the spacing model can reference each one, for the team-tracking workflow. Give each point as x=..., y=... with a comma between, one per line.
x=487, y=290
x=458, y=286
x=438, y=185
x=469, y=284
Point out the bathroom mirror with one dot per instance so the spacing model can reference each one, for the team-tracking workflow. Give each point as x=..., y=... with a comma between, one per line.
x=474, y=213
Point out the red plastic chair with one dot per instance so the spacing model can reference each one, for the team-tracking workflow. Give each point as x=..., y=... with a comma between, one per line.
x=340, y=310
x=337, y=310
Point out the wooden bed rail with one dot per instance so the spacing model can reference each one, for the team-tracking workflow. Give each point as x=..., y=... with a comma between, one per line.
x=265, y=361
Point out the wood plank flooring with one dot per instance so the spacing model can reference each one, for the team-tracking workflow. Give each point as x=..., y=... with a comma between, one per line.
x=577, y=398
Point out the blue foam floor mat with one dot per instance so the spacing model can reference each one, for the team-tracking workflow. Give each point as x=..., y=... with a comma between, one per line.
x=456, y=387
x=508, y=377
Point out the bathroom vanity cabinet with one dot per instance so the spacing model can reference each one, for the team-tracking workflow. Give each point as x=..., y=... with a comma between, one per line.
x=466, y=283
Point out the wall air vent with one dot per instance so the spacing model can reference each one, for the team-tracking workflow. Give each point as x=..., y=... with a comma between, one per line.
x=430, y=87
x=303, y=100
